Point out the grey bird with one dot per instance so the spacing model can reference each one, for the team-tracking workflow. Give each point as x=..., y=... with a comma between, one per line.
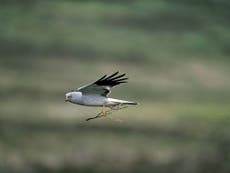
x=96, y=94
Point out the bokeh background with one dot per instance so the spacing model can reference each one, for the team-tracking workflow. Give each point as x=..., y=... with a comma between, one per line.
x=176, y=53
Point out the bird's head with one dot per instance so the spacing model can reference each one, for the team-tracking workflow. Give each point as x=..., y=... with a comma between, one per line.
x=72, y=96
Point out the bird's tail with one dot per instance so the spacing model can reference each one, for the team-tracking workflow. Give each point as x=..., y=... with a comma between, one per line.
x=130, y=103
x=123, y=102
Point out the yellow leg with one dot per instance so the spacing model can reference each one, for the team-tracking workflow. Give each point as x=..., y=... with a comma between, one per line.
x=103, y=111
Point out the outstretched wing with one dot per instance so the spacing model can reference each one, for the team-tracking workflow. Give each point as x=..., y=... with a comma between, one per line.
x=103, y=85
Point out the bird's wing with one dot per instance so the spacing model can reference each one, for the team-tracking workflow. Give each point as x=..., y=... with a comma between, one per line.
x=103, y=85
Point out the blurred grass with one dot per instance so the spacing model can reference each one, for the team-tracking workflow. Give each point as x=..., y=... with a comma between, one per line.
x=182, y=118
x=134, y=30
x=176, y=55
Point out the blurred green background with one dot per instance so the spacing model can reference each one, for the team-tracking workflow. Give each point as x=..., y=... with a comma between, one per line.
x=176, y=53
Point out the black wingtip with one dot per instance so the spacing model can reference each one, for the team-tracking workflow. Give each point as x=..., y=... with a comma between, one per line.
x=103, y=77
x=111, y=76
x=112, y=80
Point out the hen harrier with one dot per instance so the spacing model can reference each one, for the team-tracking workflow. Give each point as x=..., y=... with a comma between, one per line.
x=96, y=94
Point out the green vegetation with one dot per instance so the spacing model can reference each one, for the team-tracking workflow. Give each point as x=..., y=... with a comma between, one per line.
x=131, y=30
x=176, y=55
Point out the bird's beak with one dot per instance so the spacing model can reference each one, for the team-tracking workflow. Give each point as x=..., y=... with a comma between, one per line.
x=66, y=99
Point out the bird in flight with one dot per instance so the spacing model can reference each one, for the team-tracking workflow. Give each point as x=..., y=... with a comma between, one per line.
x=96, y=94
